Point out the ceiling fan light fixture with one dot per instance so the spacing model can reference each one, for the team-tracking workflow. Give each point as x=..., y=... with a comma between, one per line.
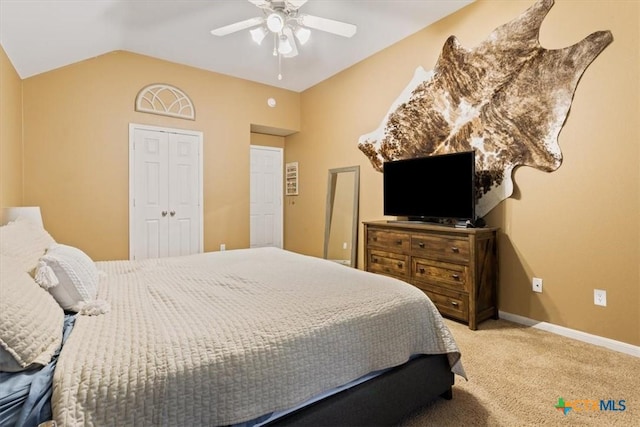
x=302, y=34
x=275, y=21
x=289, y=28
x=284, y=45
x=258, y=34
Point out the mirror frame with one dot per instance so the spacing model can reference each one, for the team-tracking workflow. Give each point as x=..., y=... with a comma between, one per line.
x=331, y=184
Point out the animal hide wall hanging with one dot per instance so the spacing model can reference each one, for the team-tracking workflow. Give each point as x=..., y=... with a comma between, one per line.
x=507, y=99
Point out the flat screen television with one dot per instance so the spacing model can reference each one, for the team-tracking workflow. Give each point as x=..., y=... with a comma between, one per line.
x=432, y=188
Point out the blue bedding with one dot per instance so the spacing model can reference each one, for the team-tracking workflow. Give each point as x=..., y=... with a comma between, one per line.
x=25, y=397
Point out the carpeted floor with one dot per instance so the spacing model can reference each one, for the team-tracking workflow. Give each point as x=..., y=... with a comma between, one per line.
x=517, y=374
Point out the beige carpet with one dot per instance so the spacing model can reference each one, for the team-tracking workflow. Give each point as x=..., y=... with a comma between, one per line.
x=516, y=375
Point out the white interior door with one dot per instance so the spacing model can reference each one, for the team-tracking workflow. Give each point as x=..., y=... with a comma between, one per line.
x=184, y=206
x=266, y=197
x=150, y=227
x=165, y=192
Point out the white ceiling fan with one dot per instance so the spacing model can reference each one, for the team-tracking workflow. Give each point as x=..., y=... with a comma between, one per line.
x=282, y=19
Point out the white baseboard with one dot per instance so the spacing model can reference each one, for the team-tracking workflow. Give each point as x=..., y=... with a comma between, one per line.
x=620, y=346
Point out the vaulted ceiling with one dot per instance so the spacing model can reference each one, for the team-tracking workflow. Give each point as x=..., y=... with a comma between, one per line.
x=41, y=35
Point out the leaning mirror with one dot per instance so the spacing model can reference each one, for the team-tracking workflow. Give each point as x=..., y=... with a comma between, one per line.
x=341, y=221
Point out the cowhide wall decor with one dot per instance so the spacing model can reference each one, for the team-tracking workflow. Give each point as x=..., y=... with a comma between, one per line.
x=507, y=99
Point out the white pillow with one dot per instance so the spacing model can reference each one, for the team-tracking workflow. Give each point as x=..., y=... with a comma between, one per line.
x=31, y=322
x=24, y=241
x=74, y=281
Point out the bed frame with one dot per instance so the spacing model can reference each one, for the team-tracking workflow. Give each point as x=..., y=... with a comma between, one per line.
x=382, y=401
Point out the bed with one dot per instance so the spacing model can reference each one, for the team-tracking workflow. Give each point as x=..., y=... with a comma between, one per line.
x=245, y=337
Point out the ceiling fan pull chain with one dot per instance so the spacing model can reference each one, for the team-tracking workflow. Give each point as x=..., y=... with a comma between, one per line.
x=279, y=67
x=275, y=44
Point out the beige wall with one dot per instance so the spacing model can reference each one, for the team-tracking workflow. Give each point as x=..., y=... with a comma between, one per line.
x=10, y=134
x=577, y=228
x=76, y=123
x=267, y=140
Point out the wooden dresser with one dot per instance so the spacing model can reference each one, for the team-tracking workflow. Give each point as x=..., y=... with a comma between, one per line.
x=456, y=267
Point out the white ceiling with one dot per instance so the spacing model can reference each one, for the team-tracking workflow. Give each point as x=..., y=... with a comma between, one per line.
x=41, y=35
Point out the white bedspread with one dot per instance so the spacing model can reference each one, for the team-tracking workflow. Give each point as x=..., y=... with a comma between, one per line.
x=224, y=337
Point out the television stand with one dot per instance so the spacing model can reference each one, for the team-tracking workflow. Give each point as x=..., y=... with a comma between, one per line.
x=456, y=267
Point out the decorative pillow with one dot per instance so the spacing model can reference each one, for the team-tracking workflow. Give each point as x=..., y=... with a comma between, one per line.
x=25, y=241
x=31, y=321
x=70, y=275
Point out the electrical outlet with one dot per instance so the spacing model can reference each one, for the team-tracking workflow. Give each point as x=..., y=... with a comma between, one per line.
x=344, y=245
x=223, y=247
x=600, y=297
x=536, y=284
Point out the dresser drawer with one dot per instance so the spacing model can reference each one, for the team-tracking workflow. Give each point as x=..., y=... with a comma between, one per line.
x=452, y=304
x=389, y=240
x=442, y=247
x=388, y=263
x=453, y=276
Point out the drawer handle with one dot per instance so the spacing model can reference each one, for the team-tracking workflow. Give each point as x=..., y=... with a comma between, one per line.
x=455, y=250
x=421, y=270
x=455, y=276
x=399, y=265
x=375, y=239
x=374, y=259
x=453, y=303
x=398, y=242
x=421, y=244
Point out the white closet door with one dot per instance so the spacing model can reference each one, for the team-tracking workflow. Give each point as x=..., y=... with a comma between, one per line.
x=151, y=195
x=184, y=208
x=166, y=193
x=266, y=197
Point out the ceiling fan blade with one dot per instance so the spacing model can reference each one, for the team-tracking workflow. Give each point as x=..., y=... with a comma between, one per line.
x=296, y=4
x=329, y=25
x=242, y=25
x=261, y=3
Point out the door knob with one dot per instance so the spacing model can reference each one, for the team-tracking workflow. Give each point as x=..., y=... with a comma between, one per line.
x=164, y=213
